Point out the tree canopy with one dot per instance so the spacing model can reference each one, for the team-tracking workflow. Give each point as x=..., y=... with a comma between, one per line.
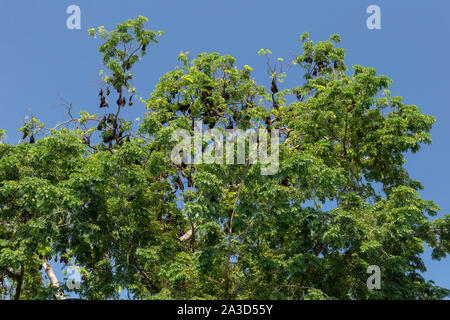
x=102, y=193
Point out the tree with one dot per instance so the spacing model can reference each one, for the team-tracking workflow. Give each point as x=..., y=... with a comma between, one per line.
x=97, y=193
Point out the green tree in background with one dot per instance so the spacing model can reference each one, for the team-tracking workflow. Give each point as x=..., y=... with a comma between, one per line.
x=97, y=193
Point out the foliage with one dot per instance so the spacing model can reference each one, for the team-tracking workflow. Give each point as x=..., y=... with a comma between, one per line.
x=121, y=209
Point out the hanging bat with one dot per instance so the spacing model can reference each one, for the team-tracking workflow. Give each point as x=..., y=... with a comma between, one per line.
x=101, y=123
x=226, y=95
x=110, y=118
x=103, y=102
x=274, y=87
x=26, y=132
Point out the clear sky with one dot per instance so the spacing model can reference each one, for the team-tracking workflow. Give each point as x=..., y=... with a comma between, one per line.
x=44, y=62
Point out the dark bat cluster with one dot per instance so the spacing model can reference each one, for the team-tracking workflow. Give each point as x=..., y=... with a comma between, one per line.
x=320, y=64
x=112, y=130
x=121, y=101
x=64, y=258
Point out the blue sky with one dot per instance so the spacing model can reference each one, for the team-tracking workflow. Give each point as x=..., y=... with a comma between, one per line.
x=44, y=62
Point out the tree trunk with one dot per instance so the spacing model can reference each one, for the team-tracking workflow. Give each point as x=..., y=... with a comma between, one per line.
x=59, y=295
x=19, y=283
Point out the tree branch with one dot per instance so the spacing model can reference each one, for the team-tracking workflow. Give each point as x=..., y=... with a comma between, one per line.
x=9, y=273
